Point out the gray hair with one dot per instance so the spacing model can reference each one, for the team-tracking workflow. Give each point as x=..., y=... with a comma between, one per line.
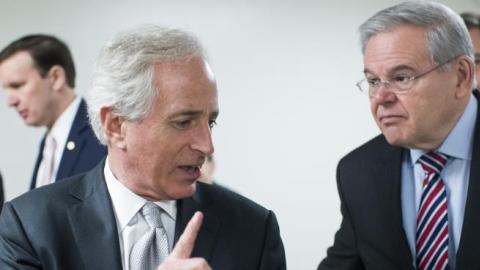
x=123, y=79
x=446, y=34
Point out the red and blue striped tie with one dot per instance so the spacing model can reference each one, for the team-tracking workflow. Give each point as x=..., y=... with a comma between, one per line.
x=432, y=218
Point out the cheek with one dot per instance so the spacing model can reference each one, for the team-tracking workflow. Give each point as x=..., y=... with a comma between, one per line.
x=35, y=98
x=159, y=158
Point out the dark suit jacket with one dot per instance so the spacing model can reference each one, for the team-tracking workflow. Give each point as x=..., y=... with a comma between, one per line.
x=71, y=225
x=1, y=193
x=87, y=153
x=371, y=234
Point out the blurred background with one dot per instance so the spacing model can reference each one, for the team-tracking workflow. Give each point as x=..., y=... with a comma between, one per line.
x=286, y=72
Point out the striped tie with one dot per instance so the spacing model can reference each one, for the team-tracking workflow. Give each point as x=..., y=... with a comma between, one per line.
x=432, y=218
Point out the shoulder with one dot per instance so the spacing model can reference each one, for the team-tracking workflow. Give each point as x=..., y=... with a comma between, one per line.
x=365, y=165
x=82, y=130
x=46, y=200
x=368, y=153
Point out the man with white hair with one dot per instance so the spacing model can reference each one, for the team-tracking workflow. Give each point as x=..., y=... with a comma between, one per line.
x=410, y=198
x=153, y=104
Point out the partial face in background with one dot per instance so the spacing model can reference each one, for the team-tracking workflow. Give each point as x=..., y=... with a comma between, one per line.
x=422, y=116
x=207, y=170
x=27, y=91
x=475, y=35
x=167, y=148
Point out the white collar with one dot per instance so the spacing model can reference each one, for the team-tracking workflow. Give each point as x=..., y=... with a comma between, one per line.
x=126, y=204
x=63, y=124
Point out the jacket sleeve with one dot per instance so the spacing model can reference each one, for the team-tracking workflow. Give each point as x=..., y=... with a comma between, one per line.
x=343, y=255
x=273, y=255
x=16, y=251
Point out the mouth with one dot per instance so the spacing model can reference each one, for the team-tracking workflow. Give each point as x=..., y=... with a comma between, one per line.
x=390, y=119
x=23, y=113
x=192, y=171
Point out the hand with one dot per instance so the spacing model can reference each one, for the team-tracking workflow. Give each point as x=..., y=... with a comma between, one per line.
x=180, y=259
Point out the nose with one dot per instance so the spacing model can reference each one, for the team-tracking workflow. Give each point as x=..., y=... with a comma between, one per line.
x=203, y=140
x=12, y=99
x=383, y=94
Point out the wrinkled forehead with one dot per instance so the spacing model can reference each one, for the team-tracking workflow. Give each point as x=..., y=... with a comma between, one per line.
x=404, y=45
x=195, y=70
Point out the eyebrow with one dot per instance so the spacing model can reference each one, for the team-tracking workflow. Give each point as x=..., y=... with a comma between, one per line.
x=13, y=84
x=213, y=114
x=393, y=70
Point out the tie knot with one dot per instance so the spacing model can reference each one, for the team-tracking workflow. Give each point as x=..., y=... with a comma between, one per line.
x=433, y=162
x=152, y=212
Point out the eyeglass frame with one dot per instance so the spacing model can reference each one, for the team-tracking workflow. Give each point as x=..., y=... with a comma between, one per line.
x=395, y=89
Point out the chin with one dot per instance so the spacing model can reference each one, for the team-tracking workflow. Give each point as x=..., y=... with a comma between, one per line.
x=184, y=191
x=393, y=136
x=32, y=123
x=396, y=141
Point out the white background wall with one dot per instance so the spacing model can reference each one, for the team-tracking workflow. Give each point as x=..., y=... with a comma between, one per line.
x=286, y=73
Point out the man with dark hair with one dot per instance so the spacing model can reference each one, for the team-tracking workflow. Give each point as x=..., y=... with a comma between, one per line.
x=410, y=197
x=38, y=74
x=472, y=21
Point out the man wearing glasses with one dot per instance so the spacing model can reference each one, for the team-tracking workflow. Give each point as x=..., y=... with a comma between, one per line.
x=410, y=198
x=472, y=21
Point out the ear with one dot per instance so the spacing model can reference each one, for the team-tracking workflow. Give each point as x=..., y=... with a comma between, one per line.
x=465, y=69
x=114, y=128
x=57, y=77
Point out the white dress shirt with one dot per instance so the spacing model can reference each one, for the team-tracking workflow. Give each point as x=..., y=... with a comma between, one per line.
x=60, y=131
x=131, y=225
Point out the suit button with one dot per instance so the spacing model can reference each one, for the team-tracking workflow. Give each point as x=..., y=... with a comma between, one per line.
x=70, y=145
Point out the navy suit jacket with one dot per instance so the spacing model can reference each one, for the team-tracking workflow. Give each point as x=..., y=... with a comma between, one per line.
x=371, y=234
x=71, y=225
x=87, y=153
x=1, y=193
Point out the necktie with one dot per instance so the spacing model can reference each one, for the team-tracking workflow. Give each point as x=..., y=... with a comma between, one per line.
x=48, y=159
x=150, y=250
x=432, y=218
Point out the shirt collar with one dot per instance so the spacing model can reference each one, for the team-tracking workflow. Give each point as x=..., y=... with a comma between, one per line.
x=126, y=204
x=62, y=125
x=459, y=141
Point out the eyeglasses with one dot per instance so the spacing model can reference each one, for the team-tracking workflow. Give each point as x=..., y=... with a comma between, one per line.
x=398, y=84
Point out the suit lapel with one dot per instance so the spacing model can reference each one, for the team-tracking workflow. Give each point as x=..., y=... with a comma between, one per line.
x=33, y=182
x=388, y=185
x=467, y=253
x=207, y=235
x=70, y=156
x=93, y=222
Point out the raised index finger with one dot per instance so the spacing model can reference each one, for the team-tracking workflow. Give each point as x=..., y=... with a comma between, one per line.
x=183, y=248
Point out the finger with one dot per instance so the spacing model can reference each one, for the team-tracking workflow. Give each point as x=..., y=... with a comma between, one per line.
x=183, y=248
x=185, y=264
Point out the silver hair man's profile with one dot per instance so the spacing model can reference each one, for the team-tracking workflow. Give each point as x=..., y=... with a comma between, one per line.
x=123, y=74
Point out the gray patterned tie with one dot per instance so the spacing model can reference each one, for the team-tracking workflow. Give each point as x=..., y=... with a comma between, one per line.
x=152, y=248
